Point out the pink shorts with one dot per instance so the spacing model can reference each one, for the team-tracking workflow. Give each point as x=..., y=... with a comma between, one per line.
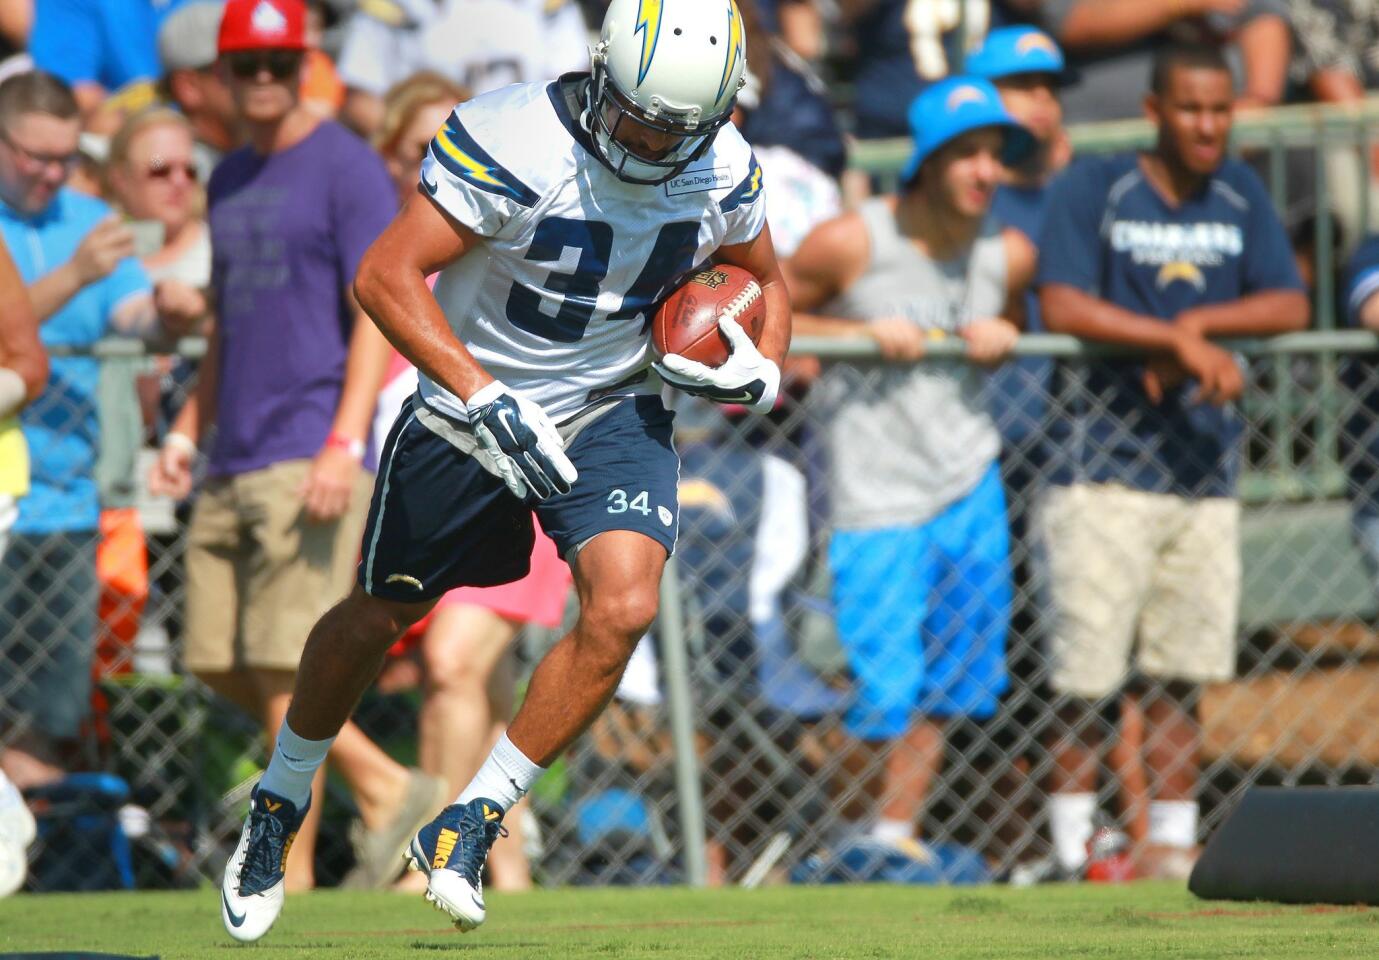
x=537, y=598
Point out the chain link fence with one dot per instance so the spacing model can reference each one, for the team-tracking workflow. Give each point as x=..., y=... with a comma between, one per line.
x=733, y=752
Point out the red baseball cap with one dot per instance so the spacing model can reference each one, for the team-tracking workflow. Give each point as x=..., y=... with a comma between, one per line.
x=262, y=25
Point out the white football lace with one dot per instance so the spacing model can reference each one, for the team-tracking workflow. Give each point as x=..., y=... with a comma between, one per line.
x=738, y=304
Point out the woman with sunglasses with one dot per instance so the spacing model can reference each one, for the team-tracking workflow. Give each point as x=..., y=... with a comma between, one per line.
x=153, y=178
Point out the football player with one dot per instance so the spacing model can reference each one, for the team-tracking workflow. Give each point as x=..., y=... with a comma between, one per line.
x=558, y=215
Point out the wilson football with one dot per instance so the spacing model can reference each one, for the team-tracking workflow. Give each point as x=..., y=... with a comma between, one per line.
x=687, y=322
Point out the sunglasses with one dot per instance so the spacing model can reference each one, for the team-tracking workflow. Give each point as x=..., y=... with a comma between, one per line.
x=67, y=161
x=281, y=64
x=165, y=171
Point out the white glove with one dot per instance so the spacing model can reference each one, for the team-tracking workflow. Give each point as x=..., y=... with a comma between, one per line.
x=522, y=443
x=747, y=377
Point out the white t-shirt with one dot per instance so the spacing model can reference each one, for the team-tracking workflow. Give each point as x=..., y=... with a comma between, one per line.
x=482, y=44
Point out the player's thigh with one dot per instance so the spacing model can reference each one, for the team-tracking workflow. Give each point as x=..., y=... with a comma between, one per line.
x=1097, y=542
x=1188, y=631
x=214, y=564
x=882, y=582
x=628, y=472
x=438, y=521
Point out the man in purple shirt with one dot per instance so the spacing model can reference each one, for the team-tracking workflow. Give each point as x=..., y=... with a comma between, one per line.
x=289, y=382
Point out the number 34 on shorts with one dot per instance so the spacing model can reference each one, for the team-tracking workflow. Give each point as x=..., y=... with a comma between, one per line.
x=621, y=501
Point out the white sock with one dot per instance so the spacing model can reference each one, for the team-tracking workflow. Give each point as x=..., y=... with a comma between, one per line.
x=889, y=831
x=1070, y=827
x=294, y=762
x=1173, y=823
x=505, y=777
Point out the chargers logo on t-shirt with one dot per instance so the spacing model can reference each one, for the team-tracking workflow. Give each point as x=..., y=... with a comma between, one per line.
x=1203, y=244
x=1180, y=270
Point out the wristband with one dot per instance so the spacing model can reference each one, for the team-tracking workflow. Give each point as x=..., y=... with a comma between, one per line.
x=338, y=441
x=181, y=443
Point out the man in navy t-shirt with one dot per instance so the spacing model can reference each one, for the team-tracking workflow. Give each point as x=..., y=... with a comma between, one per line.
x=1159, y=251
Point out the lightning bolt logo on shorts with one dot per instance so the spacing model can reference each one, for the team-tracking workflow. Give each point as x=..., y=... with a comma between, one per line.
x=649, y=26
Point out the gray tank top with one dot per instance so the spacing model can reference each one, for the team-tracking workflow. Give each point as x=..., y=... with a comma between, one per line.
x=906, y=441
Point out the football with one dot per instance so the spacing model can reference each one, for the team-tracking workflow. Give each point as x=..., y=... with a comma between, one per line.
x=687, y=322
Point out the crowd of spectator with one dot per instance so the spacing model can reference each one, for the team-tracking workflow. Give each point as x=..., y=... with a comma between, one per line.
x=175, y=168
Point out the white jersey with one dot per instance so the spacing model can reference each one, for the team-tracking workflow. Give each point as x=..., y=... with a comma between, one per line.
x=557, y=303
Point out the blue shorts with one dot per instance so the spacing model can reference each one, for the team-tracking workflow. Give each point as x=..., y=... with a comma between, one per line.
x=439, y=520
x=923, y=612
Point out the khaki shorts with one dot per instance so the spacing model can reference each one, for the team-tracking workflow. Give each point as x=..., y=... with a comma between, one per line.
x=258, y=575
x=1126, y=565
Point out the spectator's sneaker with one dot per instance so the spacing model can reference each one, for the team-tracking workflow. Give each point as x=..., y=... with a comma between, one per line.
x=251, y=895
x=451, y=851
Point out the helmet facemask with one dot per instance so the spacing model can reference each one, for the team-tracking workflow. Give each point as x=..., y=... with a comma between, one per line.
x=610, y=111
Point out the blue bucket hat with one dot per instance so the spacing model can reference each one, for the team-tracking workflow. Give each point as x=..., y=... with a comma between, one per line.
x=1010, y=51
x=948, y=109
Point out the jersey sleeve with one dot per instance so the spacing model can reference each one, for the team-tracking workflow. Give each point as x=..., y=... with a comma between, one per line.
x=1070, y=247
x=1268, y=256
x=1361, y=279
x=465, y=179
x=744, y=208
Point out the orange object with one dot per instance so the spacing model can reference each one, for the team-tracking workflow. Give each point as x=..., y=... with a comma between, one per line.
x=321, y=82
x=122, y=572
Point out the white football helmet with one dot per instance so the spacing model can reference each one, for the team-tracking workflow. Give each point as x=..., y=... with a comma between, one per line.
x=665, y=76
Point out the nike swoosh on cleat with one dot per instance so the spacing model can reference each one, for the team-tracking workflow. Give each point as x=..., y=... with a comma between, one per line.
x=477, y=902
x=431, y=187
x=235, y=920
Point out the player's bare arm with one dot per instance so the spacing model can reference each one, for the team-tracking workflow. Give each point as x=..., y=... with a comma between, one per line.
x=521, y=442
x=391, y=287
x=758, y=257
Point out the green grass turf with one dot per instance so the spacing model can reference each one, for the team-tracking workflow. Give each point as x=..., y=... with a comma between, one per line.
x=1139, y=920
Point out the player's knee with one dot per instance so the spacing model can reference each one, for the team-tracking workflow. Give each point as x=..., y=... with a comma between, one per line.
x=374, y=621
x=625, y=615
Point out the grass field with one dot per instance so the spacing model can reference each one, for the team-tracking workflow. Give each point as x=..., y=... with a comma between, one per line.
x=1140, y=920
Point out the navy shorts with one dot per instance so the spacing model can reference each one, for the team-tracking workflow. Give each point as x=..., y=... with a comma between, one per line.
x=439, y=520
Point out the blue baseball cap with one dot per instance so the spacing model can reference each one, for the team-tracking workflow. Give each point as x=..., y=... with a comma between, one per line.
x=948, y=109
x=1015, y=50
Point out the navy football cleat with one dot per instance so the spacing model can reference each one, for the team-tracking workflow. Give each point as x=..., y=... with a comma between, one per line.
x=251, y=895
x=451, y=851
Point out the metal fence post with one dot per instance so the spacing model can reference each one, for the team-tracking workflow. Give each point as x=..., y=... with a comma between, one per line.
x=680, y=703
